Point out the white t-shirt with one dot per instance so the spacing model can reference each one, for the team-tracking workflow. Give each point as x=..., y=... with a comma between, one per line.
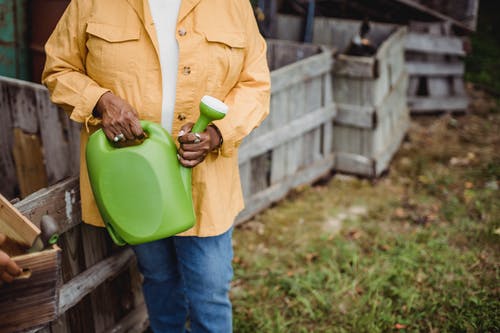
x=164, y=14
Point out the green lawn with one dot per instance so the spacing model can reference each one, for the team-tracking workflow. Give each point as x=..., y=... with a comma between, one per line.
x=416, y=251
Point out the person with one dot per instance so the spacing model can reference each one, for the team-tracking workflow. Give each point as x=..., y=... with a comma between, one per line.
x=112, y=63
x=9, y=270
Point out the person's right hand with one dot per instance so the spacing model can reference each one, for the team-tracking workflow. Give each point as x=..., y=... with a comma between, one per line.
x=118, y=117
x=8, y=268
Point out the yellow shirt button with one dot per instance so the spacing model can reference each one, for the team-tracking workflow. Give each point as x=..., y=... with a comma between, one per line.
x=187, y=70
x=181, y=32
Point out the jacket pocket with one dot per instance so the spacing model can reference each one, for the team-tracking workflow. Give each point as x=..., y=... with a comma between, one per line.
x=111, y=47
x=226, y=52
x=112, y=34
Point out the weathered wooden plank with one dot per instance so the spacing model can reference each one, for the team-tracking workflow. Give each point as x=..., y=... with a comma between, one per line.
x=278, y=191
x=9, y=184
x=135, y=321
x=61, y=201
x=354, y=66
x=384, y=156
x=435, y=69
x=434, y=44
x=72, y=292
x=22, y=104
x=355, y=115
x=29, y=162
x=436, y=104
x=286, y=53
x=291, y=130
x=260, y=172
x=31, y=302
x=246, y=178
x=54, y=143
x=369, y=117
x=300, y=71
x=95, y=248
x=77, y=318
x=354, y=164
x=16, y=226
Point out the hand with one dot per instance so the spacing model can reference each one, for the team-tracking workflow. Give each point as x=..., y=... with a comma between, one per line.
x=118, y=117
x=8, y=268
x=191, y=152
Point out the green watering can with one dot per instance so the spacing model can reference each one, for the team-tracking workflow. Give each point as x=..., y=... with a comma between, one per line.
x=143, y=193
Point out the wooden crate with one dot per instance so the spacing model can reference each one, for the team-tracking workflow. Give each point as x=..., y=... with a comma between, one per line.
x=293, y=145
x=33, y=301
x=370, y=92
x=435, y=63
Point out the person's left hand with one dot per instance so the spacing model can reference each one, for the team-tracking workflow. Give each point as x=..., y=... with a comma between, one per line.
x=195, y=147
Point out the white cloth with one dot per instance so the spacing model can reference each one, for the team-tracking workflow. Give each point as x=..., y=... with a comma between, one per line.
x=164, y=14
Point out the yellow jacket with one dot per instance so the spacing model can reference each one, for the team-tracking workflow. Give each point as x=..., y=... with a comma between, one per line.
x=105, y=45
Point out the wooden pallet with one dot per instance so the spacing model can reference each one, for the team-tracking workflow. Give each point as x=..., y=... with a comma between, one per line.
x=435, y=63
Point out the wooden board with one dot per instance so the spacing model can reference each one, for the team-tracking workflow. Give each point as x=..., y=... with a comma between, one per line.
x=31, y=302
x=28, y=115
x=15, y=225
x=30, y=166
x=434, y=44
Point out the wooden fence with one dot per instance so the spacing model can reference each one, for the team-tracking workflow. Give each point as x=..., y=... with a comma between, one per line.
x=293, y=145
x=100, y=288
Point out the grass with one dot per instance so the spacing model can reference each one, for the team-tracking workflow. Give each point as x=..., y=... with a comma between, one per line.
x=416, y=251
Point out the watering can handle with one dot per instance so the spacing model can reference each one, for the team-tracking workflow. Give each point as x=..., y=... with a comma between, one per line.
x=211, y=109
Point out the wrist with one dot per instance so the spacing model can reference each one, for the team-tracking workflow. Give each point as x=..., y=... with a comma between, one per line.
x=215, y=137
x=100, y=106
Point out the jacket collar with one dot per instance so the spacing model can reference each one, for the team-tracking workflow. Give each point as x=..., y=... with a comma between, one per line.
x=141, y=7
x=186, y=7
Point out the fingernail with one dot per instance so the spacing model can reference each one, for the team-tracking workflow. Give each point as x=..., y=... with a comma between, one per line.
x=181, y=133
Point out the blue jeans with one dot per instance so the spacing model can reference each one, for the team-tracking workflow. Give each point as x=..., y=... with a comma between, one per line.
x=188, y=277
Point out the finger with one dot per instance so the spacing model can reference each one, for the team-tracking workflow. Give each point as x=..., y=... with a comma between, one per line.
x=12, y=268
x=194, y=138
x=124, y=128
x=189, y=163
x=136, y=129
x=6, y=277
x=186, y=128
x=110, y=134
x=192, y=155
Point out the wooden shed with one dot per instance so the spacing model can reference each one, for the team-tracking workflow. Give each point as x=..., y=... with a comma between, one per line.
x=370, y=92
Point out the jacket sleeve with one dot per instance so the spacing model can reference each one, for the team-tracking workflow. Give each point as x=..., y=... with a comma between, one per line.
x=64, y=73
x=249, y=100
